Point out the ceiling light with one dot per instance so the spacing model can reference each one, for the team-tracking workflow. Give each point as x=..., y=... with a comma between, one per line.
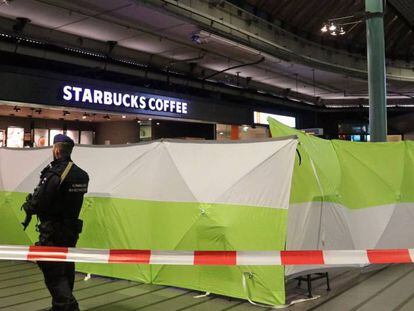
x=221, y=133
x=107, y=117
x=85, y=115
x=332, y=27
x=139, y=121
x=406, y=105
x=341, y=106
x=150, y=119
x=158, y=123
x=333, y=33
x=124, y=117
x=342, y=31
x=324, y=28
x=65, y=113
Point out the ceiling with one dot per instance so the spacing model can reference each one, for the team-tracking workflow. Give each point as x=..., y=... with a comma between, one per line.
x=157, y=39
x=299, y=17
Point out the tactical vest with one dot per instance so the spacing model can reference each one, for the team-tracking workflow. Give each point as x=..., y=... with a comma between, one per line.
x=68, y=200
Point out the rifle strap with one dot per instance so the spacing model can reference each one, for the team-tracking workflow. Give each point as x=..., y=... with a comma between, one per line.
x=65, y=172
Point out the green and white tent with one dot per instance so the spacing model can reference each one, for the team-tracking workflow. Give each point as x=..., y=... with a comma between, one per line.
x=172, y=195
x=347, y=195
x=175, y=195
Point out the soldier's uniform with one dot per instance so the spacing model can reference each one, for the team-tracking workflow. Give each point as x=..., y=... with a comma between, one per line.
x=57, y=202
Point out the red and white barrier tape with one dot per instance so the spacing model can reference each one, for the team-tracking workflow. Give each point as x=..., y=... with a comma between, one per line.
x=197, y=258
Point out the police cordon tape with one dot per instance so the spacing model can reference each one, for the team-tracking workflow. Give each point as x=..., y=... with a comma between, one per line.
x=200, y=258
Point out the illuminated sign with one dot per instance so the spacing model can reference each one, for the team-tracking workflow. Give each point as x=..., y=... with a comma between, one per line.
x=125, y=100
x=261, y=118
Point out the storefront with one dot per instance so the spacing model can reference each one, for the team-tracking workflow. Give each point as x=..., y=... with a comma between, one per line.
x=36, y=106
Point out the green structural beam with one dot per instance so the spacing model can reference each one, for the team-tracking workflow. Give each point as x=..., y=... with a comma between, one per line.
x=376, y=70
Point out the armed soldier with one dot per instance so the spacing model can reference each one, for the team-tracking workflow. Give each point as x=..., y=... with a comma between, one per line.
x=57, y=202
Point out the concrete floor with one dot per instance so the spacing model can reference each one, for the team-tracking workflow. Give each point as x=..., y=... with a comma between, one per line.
x=386, y=288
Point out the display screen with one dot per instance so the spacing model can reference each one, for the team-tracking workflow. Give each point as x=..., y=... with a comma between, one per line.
x=86, y=138
x=52, y=135
x=74, y=135
x=145, y=132
x=15, y=137
x=261, y=118
x=355, y=137
x=41, y=138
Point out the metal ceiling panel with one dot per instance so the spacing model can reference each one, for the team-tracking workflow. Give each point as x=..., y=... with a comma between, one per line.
x=142, y=15
x=184, y=31
x=94, y=5
x=149, y=43
x=99, y=30
x=405, y=8
x=39, y=13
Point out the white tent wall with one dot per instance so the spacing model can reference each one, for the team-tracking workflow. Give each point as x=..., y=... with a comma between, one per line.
x=172, y=195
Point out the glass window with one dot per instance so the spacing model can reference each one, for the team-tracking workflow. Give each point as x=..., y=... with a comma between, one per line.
x=74, y=135
x=52, y=135
x=223, y=131
x=41, y=138
x=145, y=131
x=15, y=137
x=86, y=138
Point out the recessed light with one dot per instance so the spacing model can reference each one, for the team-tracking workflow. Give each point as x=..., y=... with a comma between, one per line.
x=150, y=119
x=124, y=117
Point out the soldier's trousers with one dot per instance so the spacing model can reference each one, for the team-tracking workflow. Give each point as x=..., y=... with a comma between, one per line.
x=59, y=276
x=59, y=280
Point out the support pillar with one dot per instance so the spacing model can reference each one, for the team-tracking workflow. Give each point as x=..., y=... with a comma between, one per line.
x=376, y=71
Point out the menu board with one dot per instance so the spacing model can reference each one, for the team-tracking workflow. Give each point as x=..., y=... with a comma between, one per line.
x=74, y=135
x=15, y=137
x=86, y=138
x=41, y=138
x=52, y=135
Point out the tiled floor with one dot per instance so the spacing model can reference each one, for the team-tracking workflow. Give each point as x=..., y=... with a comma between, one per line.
x=386, y=288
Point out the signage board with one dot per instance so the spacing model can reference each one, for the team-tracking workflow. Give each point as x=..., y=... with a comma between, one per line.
x=261, y=118
x=134, y=102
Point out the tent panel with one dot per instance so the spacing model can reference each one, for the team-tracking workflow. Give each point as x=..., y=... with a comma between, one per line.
x=259, y=186
x=123, y=223
x=11, y=218
x=341, y=228
x=209, y=160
